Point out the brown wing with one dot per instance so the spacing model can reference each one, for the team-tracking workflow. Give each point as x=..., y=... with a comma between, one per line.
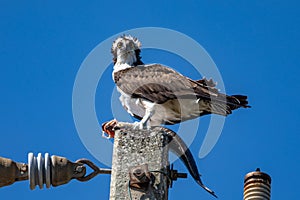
x=155, y=83
x=159, y=84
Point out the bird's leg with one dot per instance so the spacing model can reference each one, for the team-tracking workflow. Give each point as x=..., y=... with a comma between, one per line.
x=147, y=117
x=143, y=123
x=148, y=114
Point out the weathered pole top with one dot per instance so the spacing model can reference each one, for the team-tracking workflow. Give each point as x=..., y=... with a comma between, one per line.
x=134, y=148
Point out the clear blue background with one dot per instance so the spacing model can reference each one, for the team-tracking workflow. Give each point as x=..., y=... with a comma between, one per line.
x=254, y=44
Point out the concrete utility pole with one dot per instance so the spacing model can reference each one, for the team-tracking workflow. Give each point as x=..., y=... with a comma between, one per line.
x=139, y=169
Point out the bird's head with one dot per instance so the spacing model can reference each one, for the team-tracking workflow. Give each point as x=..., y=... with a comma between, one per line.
x=126, y=49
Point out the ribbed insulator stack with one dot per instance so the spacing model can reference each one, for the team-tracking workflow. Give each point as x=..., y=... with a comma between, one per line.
x=257, y=186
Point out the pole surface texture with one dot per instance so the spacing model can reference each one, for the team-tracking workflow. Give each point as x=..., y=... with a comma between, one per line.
x=133, y=149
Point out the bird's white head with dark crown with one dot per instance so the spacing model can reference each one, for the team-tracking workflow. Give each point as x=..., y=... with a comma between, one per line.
x=126, y=52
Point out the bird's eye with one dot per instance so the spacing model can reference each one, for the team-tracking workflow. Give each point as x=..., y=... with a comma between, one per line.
x=132, y=45
x=119, y=45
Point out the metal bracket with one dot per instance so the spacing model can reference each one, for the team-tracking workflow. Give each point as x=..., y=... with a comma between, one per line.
x=140, y=177
x=174, y=175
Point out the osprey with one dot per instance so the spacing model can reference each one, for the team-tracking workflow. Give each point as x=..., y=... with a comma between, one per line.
x=157, y=94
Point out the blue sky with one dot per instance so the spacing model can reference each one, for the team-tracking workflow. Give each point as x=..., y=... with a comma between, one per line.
x=254, y=44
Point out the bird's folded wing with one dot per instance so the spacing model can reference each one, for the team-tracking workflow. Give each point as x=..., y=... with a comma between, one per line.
x=159, y=84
